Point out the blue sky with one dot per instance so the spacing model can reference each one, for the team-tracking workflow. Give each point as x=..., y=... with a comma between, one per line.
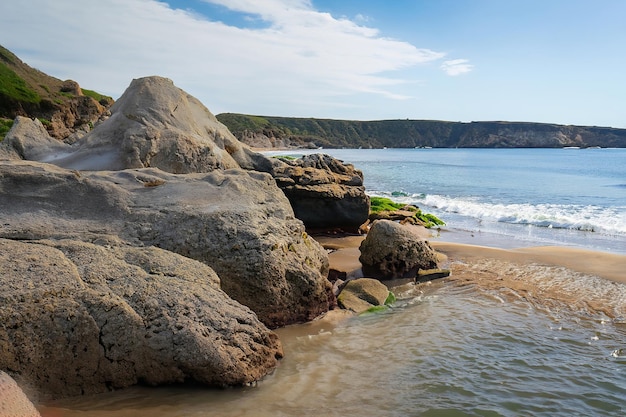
x=553, y=61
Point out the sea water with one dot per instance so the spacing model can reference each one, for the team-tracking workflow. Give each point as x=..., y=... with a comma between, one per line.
x=555, y=345
x=508, y=197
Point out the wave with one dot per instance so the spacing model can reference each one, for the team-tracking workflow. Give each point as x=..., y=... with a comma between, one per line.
x=605, y=220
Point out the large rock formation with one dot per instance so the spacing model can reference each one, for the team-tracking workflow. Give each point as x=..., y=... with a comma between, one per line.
x=392, y=250
x=238, y=222
x=156, y=124
x=80, y=318
x=324, y=192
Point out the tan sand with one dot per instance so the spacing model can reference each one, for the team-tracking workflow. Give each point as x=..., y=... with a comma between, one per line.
x=604, y=265
x=535, y=274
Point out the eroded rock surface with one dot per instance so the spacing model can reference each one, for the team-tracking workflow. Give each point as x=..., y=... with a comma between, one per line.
x=324, y=192
x=238, y=222
x=392, y=250
x=79, y=318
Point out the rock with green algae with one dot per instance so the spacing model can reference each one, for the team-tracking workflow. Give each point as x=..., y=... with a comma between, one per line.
x=362, y=294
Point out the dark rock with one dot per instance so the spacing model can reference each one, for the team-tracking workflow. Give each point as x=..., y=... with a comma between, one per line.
x=324, y=192
x=392, y=250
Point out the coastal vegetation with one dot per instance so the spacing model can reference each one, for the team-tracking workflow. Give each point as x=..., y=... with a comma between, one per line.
x=5, y=126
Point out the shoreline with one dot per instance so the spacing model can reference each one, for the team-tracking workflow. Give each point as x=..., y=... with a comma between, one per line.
x=546, y=276
x=606, y=265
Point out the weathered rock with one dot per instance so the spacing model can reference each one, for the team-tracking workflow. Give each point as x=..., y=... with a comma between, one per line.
x=324, y=192
x=30, y=140
x=238, y=222
x=156, y=124
x=361, y=294
x=13, y=401
x=78, y=318
x=392, y=250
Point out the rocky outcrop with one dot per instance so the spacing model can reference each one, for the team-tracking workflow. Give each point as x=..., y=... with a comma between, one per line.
x=392, y=250
x=155, y=124
x=79, y=318
x=361, y=294
x=13, y=401
x=238, y=222
x=324, y=192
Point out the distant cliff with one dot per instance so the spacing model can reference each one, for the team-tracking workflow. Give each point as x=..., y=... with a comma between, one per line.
x=276, y=132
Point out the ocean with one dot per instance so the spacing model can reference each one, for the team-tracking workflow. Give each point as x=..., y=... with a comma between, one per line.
x=498, y=338
x=508, y=197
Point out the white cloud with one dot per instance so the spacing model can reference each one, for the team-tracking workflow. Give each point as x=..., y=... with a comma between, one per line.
x=301, y=55
x=456, y=67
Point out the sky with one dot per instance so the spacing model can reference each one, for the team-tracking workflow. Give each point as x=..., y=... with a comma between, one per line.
x=550, y=61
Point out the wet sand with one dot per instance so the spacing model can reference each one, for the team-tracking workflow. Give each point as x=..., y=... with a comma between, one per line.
x=548, y=275
x=345, y=256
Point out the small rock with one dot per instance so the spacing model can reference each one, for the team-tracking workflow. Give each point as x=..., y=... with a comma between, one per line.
x=361, y=294
x=430, y=274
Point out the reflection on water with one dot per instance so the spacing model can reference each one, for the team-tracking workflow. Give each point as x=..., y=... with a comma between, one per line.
x=449, y=348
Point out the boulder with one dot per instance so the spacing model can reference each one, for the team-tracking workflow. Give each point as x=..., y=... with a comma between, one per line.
x=391, y=250
x=13, y=401
x=324, y=192
x=30, y=140
x=156, y=124
x=79, y=318
x=237, y=222
x=361, y=294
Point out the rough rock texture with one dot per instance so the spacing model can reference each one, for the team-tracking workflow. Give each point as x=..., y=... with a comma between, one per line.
x=324, y=192
x=156, y=124
x=393, y=250
x=30, y=140
x=79, y=318
x=13, y=401
x=238, y=222
x=361, y=294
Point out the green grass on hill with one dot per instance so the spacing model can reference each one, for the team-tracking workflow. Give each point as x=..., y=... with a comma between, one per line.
x=13, y=87
x=5, y=126
x=100, y=98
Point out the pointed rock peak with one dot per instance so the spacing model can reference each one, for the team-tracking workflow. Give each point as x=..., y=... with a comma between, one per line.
x=156, y=124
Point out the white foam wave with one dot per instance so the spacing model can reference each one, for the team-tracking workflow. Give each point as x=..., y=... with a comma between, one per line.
x=607, y=220
x=611, y=220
